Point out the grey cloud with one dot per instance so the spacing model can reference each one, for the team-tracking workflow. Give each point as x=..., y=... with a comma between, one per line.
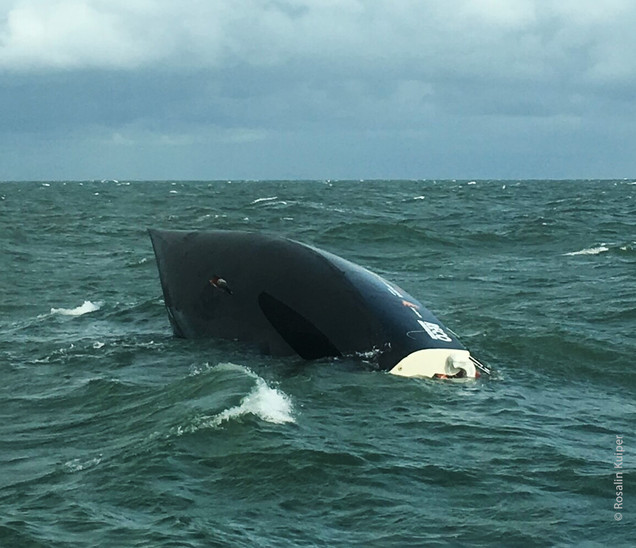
x=393, y=85
x=511, y=39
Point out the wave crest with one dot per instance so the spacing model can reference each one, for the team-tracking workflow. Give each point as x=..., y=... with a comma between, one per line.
x=267, y=403
x=589, y=251
x=85, y=308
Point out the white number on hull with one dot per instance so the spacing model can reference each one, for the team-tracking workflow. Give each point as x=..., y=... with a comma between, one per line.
x=434, y=331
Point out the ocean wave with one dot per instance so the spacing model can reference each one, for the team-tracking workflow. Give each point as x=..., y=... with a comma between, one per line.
x=135, y=311
x=622, y=248
x=137, y=262
x=85, y=308
x=78, y=465
x=259, y=200
x=589, y=251
x=271, y=202
x=380, y=232
x=267, y=403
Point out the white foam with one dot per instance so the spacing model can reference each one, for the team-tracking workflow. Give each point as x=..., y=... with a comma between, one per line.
x=266, y=403
x=263, y=401
x=198, y=369
x=77, y=465
x=84, y=308
x=589, y=251
x=259, y=200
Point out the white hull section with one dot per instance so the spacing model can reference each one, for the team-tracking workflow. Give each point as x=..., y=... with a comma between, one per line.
x=437, y=362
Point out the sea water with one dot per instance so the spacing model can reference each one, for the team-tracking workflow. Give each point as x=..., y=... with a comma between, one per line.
x=116, y=433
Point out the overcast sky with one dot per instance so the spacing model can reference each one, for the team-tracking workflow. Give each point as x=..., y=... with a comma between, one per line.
x=262, y=89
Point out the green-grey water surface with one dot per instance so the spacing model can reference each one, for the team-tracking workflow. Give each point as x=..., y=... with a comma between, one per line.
x=115, y=433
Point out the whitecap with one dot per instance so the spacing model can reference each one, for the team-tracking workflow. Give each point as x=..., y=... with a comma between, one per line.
x=589, y=251
x=259, y=200
x=77, y=465
x=265, y=402
x=84, y=308
x=198, y=369
x=419, y=198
